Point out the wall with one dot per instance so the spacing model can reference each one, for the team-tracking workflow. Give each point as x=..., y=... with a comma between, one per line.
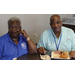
x=32, y=23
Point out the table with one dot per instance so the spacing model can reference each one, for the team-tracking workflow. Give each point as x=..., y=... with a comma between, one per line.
x=29, y=57
x=33, y=57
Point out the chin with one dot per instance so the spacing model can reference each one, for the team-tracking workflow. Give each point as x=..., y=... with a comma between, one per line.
x=14, y=36
x=57, y=30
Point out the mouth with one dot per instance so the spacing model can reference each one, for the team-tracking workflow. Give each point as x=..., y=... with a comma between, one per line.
x=56, y=28
x=14, y=33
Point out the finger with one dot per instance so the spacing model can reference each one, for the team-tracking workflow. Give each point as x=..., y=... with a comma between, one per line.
x=20, y=32
x=23, y=31
x=45, y=52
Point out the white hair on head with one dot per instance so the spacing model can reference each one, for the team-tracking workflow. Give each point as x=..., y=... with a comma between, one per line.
x=13, y=19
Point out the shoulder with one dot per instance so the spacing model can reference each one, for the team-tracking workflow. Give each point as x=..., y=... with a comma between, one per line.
x=22, y=37
x=46, y=31
x=45, y=34
x=3, y=37
x=68, y=30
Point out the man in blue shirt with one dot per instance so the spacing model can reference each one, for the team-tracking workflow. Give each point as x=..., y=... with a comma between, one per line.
x=16, y=42
x=57, y=38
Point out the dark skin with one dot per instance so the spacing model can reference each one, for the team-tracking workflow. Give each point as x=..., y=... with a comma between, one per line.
x=15, y=31
x=55, y=23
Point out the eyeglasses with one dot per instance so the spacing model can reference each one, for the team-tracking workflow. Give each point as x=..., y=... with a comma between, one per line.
x=15, y=28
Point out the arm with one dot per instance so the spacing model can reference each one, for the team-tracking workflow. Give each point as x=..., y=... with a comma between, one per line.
x=1, y=49
x=72, y=52
x=31, y=46
x=41, y=45
x=0, y=53
x=73, y=41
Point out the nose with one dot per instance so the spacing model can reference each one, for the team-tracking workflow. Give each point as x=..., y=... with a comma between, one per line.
x=13, y=28
x=55, y=24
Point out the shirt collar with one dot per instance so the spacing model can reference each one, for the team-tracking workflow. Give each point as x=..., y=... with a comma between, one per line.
x=9, y=39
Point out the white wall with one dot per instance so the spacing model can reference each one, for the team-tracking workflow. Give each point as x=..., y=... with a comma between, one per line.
x=32, y=23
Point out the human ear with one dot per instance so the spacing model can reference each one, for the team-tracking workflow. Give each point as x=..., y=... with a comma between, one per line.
x=50, y=24
x=20, y=27
x=61, y=23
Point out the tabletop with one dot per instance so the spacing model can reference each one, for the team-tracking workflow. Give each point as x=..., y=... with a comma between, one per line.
x=29, y=57
x=34, y=57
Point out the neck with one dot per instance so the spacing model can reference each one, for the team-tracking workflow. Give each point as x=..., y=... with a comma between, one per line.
x=15, y=39
x=57, y=34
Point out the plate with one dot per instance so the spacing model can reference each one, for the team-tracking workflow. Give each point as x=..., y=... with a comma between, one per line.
x=57, y=56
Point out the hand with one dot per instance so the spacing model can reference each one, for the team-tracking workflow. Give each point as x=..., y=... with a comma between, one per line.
x=72, y=54
x=41, y=50
x=23, y=32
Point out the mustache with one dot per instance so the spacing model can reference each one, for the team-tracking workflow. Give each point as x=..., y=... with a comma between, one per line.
x=56, y=26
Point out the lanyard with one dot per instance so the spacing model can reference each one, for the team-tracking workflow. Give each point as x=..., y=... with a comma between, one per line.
x=58, y=43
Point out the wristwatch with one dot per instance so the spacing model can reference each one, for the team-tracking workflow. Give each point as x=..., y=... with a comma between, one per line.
x=28, y=38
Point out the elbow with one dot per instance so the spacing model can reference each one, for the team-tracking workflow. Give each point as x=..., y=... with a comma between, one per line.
x=33, y=50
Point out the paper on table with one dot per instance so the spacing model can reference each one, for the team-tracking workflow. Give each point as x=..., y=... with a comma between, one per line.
x=45, y=57
x=14, y=58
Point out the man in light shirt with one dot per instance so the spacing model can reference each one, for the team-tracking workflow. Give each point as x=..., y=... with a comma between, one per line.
x=57, y=38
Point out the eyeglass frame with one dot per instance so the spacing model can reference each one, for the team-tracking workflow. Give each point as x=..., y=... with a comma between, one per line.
x=15, y=27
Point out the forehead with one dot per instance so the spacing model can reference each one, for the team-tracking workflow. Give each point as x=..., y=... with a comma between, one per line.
x=55, y=18
x=14, y=23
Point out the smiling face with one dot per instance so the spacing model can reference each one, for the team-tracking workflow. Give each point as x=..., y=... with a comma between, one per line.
x=14, y=29
x=56, y=23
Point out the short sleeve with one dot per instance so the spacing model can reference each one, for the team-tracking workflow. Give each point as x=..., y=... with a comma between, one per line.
x=73, y=41
x=1, y=49
x=42, y=41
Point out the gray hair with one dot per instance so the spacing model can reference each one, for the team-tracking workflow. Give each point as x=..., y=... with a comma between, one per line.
x=14, y=19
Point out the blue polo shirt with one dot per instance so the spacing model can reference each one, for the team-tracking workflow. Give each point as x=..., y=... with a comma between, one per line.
x=9, y=50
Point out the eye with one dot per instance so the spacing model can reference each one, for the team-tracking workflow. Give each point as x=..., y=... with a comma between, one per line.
x=10, y=27
x=52, y=23
x=58, y=22
x=16, y=27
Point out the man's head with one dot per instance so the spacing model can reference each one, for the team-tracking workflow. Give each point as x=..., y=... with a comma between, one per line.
x=14, y=27
x=56, y=23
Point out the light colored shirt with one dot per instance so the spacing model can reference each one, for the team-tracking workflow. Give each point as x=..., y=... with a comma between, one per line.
x=67, y=42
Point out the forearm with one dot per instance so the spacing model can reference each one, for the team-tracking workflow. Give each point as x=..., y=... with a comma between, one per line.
x=31, y=46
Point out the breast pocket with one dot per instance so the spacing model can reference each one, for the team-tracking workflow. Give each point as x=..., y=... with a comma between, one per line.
x=23, y=48
x=66, y=45
x=24, y=45
x=51, y=46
